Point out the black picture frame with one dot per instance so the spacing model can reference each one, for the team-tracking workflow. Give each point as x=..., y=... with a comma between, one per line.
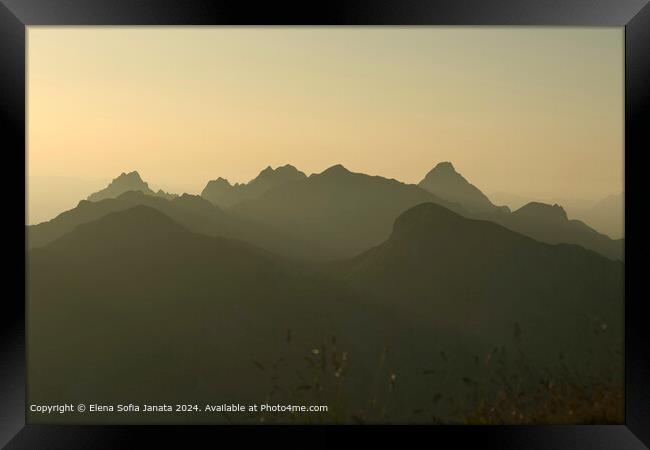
x=634, y=15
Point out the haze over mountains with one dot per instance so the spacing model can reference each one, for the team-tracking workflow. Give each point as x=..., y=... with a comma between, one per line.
x=341, y=211
x=473, y=269
x=48, y=196
x=546, y=223
x=445, y=182
x=193, y=212
x=221, y=193
x=180, y=316
x=158, y=299
x=169, y=295
x=605, y=215
x=338, y=213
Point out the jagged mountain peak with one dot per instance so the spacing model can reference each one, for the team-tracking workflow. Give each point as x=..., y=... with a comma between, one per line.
x=219, y=182
x=444, y=167
x=445, y=182
x=444, y=170
x=125, y=182
x=133, y=175
x=287, y=172
x=221, y=193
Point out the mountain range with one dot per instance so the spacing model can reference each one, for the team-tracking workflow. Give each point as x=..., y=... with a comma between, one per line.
x=550, y=223
x=449, y=268
x=182, y=298
x=341, y=211
x=135, y=297
x=193, y=212
x=333, y=214
x=544, y=222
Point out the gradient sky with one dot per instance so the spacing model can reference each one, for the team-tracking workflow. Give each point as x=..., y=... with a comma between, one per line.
x=530, y=111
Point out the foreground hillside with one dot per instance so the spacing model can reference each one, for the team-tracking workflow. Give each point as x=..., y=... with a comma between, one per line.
x=135, y=308
x=478, y=276
x=193, y=212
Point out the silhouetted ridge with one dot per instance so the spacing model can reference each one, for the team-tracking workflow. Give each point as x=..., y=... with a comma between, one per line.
x=138, y=216
x=444, y=168
x=219, y=183
x=546, y=223
x=129, y=178
x=140, y=222
x=425, y=218
x=151, y=299
x=220, y=192
x=195, y=201
x=127, y=182
x=542, y=211
x=437, y=255
x=285, y=173
x=270, y=177
x=430, y=226
x=191, y=211
x=446, y=183
x=341, y=212
x=336, y=170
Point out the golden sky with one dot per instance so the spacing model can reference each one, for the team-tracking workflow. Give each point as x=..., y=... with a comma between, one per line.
x=530, y=111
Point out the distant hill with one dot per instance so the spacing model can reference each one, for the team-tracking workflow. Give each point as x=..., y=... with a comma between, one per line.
x=332, y=215
x=124, y=183
x=546, y=223
x=344, y=213
x=478, y=275
x=134, y=306
x=605, y=215
x=193, y=212
x=340, y=211
x=608, y=215
x=446, y=183
x=220, y=192
x=549, y=223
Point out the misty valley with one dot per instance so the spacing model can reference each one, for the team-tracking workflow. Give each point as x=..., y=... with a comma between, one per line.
x=388, y=302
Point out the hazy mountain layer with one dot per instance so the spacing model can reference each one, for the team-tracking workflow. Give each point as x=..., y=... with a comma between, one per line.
x=549, y=223
x=608, y=215
x=546, y=223
x=137, y=299
x=193, y=212
x=342, y=212
x=335, y=214
x=605, y=215
x=220, y=192
x=133, y=307
x=475, y=274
